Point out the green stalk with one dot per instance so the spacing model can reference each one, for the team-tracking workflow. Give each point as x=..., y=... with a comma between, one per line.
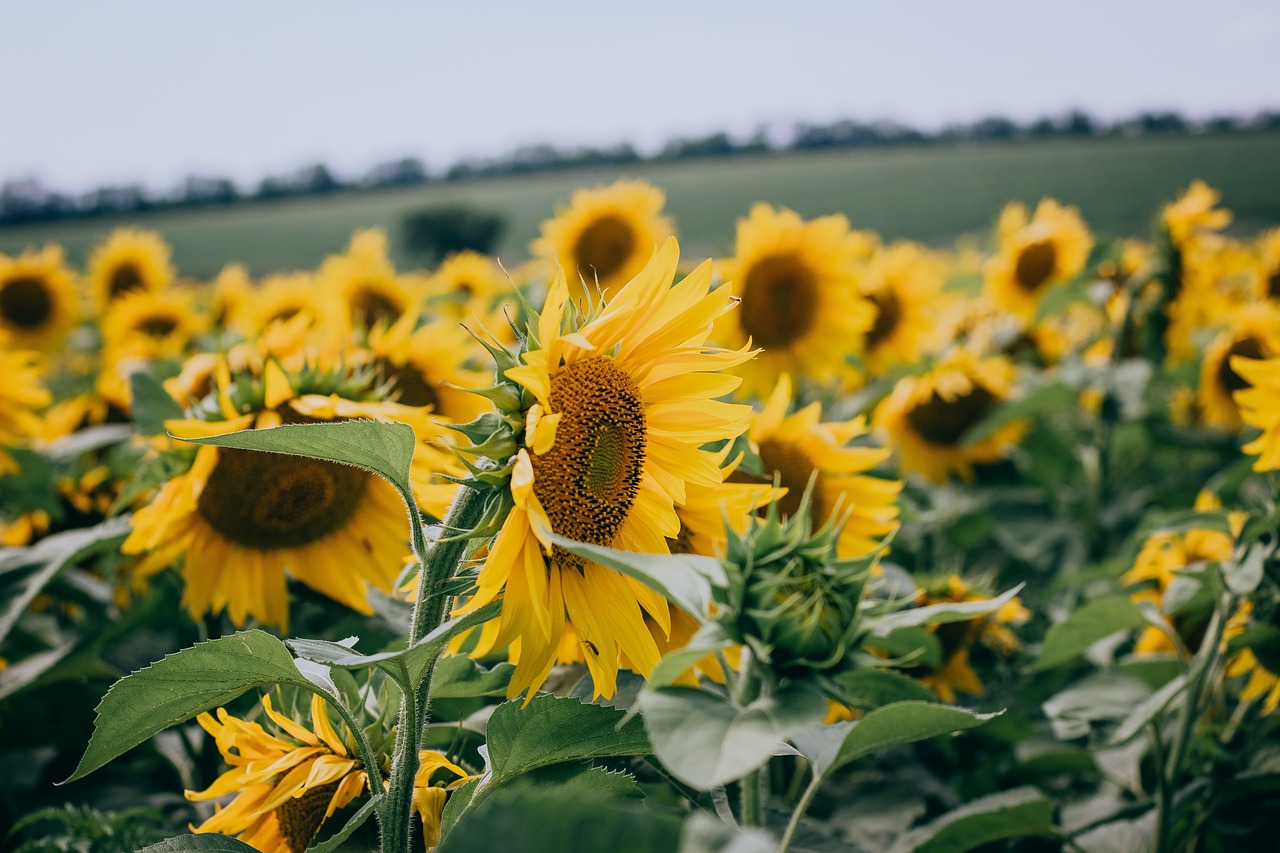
x=745, y=692
x=798, y=813
x=439, y=561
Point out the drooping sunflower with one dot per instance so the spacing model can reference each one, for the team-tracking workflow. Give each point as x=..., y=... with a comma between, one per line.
x=1035, y=253
x=605, y=235
x=151, y=325
x=904, y=284
x=1260, y=407
x=37, y=298
x=795, y=447
x=925, y=417
x=618, y=408
x=131, y=259
x=798, y=282
x=22, y=396
x=241, y=521
x=365, y=280
x=465, y=283
x=1254, y=333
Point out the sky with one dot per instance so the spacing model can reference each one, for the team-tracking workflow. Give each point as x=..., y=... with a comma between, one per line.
x=150, y=91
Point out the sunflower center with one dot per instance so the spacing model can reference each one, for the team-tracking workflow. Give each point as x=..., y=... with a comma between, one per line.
x=1227, y=377
x=283, y=315
x=589, y=479
x=1035, y=265
x=300, y=817
x=888, y=315
x=25, y=302
x=125, y=278
x=158, y=327
x=373, y=306
x=410, y=385
x=604, y=246
x=779, y=301
x=1273, y=284
x=942, y=422
x=267, y=501
x=794, y=468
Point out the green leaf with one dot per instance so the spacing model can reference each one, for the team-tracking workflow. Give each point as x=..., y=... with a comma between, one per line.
x=33, y=486
x=684, y=579
x=939, y=614
x=383, y=448
x=871, y=688
x=205, y=842
x=704, y=834
x=705, y=741
x=1147, y=710
x=357, y=820
x=1100, y=697
x=1244, y=575
x=550, y=730
x=181, y=686
x=152, y=405
x=1054, y=397
x=1093, y=620
x=460, y=677
x=708, y=640
x=1020, y=813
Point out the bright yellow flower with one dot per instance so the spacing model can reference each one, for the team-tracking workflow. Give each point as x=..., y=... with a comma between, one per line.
x=1194, y=214
x=467, y=283
x=1254, y=333
x=904, y=284
x=151, y=325
x=22, y=395
x=365, y=281
x=1260, y=407
x=130, y=260
x=37, y=298
x=1035, y=254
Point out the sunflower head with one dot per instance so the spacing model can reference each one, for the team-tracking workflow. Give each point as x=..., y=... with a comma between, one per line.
x=605, y=236
x=1194, y=215
x=366, y=282
x=466, y=283
x=1035, y=254
x=1253, y=334
x=151, y=325
x=130, y=260
x=37, y=298
x=903, y=282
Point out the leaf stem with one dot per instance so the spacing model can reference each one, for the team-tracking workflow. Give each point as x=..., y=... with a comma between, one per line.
x=798, y=813
x=745, y=691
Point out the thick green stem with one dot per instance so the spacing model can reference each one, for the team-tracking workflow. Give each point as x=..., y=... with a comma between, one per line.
x=745, y=692
x=439, y=562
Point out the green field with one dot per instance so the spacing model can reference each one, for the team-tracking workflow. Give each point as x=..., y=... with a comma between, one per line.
x=931, y=194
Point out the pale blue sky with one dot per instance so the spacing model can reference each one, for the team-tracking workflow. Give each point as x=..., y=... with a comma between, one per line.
x=95, y=92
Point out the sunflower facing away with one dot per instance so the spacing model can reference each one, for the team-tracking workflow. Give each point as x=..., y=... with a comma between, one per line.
x=621, y=405
x=1035, y=254
x=130, y=260
x=605, y=235
x=798, y=284
x=37, y=298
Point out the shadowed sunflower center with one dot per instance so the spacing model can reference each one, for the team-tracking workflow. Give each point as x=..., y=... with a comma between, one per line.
x=1273, y=284
x=25, y=302
x=158, y=326
x=411, y=387
x=269, y=500
x=942, y=422
x=300, y=817
x=1231, y=381
x=125, y=278
x=1035, y=265
x=888, y=316
x=779, y=300
x=604, y=247
x=794, y=468
x=284, y=314
x=589, y=479
x=372, y=306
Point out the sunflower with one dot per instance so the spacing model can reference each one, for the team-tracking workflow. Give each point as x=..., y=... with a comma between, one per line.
x=467, y=282
x=426, y=366
x=1194, y=215
x=366, y=281
x=151, y=325
x=904, y=284
x=286, y=296
x=796, y=447
x=926, y=417
x=1263, y=683
x=241, y=520
x=1035, y=254
x=1260, y=407
x=605, y=236
x=22, y=395
x=616, y=411
x=798, y=284
x=1254, y=333
x=131, y=259
x=232, y=293
x=37, y=298
x=1268, y=251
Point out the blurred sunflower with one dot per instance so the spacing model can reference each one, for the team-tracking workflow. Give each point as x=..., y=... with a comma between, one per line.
x=37, y=298
x=1194, y=215
x=1035, y=253
x=232, y=292
x=1263, y=683
x=131, y=259
x=427, y=366
x=1260, y=407
x=796, y=447
x=366, y=281
x=925, y=418
x=904, y=284
x=286, y=296
x=151, y=325
x=239, y=520
x=798, y=284
x=1268, y=250
x=22, y=396
x=1254, y=333
x=465, y=283
x=605, y=235
x=618, y=409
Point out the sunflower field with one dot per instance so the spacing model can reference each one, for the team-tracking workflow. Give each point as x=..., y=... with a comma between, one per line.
x=830, y=545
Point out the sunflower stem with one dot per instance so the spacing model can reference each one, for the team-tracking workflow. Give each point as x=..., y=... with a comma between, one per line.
x=745, y=691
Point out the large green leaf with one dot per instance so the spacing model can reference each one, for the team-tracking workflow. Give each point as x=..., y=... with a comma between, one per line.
x=1093, y=620
x=1020, y=813
x=181, y=686
x=460, y=677
x=706, y=742
x=939, y=614
x=872, y=688
x=152, y=405
x=385, y=449
x=209, y=842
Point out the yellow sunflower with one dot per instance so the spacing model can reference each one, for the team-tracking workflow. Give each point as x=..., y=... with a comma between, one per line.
x=365, y=280
x=1260, y=407
x=151, y=325
x=798, y=282
x=904, y=284
x=37, y=298
x=1254, y=333
x=1035, y=254
x=240, y=521
x=1263, y=683
x=22, y=395
x=797, y=446
x=427, y=366
x=605, y=235
x=232, y=293
x=926, y=417
x=466, y=283
x=286, y=296
x=1268, y=251
x=622, y=406
x=1194, y=215
x=131, y=259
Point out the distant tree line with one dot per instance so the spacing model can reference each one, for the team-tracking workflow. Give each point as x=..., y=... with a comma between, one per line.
x=28, y=200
